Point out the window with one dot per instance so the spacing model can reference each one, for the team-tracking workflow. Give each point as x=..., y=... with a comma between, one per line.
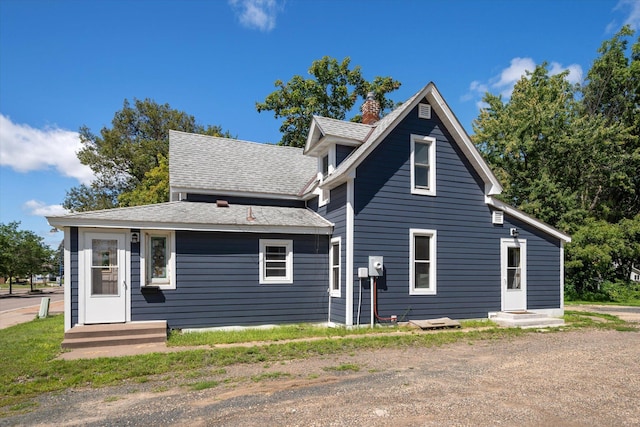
x=325, y=166
x=157, y=259
x=514, y=269
x=334, y=267
x=422, y=258
x=423, y=165
x=276, y=261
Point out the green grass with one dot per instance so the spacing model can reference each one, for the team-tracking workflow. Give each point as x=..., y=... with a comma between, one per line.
x=28, y=364
x=269, y=376
x=203, y=385
x=629, y=303
x=281, y=333
x=342, y=368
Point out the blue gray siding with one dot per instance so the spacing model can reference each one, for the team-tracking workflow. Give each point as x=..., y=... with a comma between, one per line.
x=255, y=201
x=335, y=211
x=342, y=152
x=217, y=276
x=468, y=244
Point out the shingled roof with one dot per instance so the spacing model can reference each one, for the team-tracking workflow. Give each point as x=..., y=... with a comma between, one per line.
x=207, y=164
x=185, y=215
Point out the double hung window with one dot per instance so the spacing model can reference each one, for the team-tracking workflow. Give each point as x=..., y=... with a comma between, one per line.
x=276, y=261
x=422, y=268
x=423, y=165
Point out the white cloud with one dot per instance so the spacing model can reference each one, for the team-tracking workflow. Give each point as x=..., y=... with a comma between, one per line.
x=38, y=208
x=257, y=14
x=505, y=80
x=26, y=149
x=633, y=19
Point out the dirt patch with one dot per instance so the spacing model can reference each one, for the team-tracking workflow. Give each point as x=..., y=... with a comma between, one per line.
x=587, y=377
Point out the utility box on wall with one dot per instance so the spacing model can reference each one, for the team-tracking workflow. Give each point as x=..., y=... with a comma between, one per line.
x=376, y=266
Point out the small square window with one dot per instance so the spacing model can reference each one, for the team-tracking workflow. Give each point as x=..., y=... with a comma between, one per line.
x=276, y=261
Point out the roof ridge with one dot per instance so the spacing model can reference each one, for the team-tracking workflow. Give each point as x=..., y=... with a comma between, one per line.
x=234, y=140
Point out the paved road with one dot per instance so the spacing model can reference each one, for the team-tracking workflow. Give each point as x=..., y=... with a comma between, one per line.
x=22, y=307
x=21, y=298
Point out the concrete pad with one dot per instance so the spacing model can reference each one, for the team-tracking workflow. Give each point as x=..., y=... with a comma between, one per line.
x=440, y=323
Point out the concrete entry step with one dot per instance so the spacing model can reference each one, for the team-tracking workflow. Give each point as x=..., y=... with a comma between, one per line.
x=87, y=336
x=524, y=319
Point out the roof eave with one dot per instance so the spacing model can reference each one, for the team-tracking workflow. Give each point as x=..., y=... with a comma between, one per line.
x=518, y=214
x=214, y=192
x=61, y=222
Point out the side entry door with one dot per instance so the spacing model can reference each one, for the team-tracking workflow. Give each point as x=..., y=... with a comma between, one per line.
x=513, y=255
x=105, y=287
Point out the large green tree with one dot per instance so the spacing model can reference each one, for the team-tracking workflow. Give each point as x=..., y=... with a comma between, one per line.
x=123, y=156
x=569, y=155
x=331, y=91
x=22, y=253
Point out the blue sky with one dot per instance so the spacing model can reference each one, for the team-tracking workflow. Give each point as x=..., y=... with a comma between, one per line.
x=69, y=63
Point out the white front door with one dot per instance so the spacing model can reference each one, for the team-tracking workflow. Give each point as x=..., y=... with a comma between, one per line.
x=513, y=256
x=105, y=288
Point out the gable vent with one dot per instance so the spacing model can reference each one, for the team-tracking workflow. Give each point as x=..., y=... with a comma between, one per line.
x=497, y=217
x=424, y=111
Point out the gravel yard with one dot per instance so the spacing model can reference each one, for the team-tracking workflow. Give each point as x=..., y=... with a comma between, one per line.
x=574, y=378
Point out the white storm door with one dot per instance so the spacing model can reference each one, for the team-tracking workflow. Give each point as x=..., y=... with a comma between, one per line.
x=513, y=255
x=105, y=288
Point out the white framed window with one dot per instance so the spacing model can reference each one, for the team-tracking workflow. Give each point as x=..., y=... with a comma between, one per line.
x=423, y=165
x=158, y=259
x=326, y=165
x=422, y=261
x=276, y=262
x=335, y=276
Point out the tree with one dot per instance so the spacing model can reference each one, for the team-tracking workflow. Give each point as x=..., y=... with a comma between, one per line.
x=525, y=140
x=612, y=93
x=22, y=253
x=121, y=156
x=570, y=156
x=332, y=91
x=9, y=240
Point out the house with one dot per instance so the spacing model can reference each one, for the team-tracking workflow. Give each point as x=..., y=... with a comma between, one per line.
x=634, y=276
x=392, y=218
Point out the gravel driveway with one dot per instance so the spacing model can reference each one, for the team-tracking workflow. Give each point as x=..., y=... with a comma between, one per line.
x=573, y=378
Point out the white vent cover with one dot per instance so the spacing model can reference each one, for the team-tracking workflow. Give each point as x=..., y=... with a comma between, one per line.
x=424, y=111
x=497, y=217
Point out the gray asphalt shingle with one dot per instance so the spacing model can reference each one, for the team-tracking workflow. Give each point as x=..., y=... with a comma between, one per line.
x=195, y=215
x=207, y=163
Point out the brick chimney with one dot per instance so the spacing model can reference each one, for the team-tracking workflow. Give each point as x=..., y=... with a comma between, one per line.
x=370, y=110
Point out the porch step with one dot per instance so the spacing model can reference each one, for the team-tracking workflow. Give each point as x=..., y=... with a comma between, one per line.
x=524, y=319
x=87, y=336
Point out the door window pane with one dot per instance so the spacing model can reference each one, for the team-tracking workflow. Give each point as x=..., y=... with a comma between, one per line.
x=513, y=268
x=104, y=267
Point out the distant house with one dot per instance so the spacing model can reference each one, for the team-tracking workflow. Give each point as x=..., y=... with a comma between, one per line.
x=635, y=274
x=393, y=217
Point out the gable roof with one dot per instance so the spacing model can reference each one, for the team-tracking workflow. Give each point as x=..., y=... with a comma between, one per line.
x=201, y=216
x=384, y=126
x=324, y=128
x=212, y=165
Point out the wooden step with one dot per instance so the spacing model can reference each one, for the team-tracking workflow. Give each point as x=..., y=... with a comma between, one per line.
x=87, y=336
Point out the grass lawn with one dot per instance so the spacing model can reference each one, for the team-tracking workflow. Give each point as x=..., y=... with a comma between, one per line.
x=28, y=364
